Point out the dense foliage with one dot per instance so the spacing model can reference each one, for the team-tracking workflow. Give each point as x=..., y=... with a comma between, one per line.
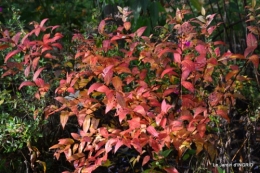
x=118, y=99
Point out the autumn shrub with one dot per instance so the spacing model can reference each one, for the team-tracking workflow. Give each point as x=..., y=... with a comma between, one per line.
x=165, y=102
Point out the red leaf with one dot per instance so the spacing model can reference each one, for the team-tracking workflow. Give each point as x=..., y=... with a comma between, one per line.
x=201, y=129
x=101, y=26
x=120, y=99
x=165, y=107
x=171, y=170
x=140, y=109
x=254, y=59
x=251, y=40
x=145, y=159
x=134, y=123
x=188, y=86
x=188, y=64
x=26, y=83
x=121, y=114
x=35, y=62
x=222, y=111
x=37, y=73
x=110, y=104
x=106, y=45
x=185, y=117
x=58, y=45
x=10, y=54
x=152, y=131
x=27, y=71
x=248, y=51
x=46, y=38
x=168, y=70
x=43, y=22
x=39, y=82
x=16, y=37
x=201, y=49
x=140, y=31
x=4, y=46
x=118, y=145
x=71, y=90
x=199, y=110
x=177, y=57
x=93, y=87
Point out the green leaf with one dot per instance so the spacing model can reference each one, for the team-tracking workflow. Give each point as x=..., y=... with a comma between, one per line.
x=196, y=4
x=166, y=152
x=186, y=156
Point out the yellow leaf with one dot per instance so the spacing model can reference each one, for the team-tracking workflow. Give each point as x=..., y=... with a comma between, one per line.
x=203, y=12
x=2, y=101
x=43, y=164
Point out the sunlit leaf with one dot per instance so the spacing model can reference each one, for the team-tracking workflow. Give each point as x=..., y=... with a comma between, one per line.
x=64, y=116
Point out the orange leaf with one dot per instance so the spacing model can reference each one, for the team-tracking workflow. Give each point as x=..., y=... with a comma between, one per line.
x=127, y=25
x=117, y=83
x=254, y=59
x=64, y=116
x=223, y=112
x=66, y=141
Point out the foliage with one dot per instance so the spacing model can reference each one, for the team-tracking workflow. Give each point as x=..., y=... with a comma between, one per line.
x=159, y=103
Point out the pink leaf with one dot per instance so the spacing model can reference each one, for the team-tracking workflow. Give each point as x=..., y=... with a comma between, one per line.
x=37, y=73
x=26, y=83
x=201, y=49
x=145, y=159
x=120, y=99
x=43, y=22
x=10, y=54
x=188, y=64
x=93, y=87
x=118, y=145
x=27, y=71
x=152, y=131
x=251, y=40
x=165, y=107
x=177, y=57
x=140, y=31
x=140, y=109
x=16, y=37
x=188, y=86
x=101, y=26
x=168, y=70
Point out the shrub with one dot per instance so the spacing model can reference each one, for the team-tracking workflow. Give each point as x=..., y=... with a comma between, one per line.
x=165, y=100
